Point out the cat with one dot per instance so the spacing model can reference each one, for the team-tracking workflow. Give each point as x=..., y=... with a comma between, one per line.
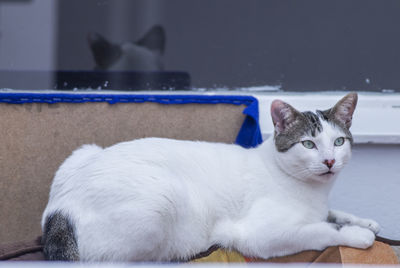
x=156, y=199
x=142, y=55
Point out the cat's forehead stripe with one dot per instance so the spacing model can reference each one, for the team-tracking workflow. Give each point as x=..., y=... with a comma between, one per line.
x=307, y=124
x=313, y=123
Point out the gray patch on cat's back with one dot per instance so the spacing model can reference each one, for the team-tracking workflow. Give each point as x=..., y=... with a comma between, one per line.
x=59, y=238
x=306, y=123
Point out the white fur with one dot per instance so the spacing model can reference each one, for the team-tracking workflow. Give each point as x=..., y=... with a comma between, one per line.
x=159, y=199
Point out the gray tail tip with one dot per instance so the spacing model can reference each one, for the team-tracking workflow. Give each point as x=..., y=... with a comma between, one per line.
x=59, y=241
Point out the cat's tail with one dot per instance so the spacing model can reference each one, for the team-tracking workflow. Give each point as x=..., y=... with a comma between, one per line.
x=59, y=238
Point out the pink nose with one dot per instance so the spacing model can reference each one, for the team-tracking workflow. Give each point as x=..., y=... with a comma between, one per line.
x=329, y=163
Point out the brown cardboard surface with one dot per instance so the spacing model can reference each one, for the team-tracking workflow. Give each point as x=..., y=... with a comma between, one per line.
x=329, y=255
x=379, y=253
x=30, y=250
x=36, y=138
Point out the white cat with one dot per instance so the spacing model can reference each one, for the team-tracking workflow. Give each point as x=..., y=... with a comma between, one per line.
x=159, y=199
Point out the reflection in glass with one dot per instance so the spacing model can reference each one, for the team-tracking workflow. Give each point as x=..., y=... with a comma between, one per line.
x=247, y=45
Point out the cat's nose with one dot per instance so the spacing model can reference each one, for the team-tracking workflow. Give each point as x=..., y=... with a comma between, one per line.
x=329, y=162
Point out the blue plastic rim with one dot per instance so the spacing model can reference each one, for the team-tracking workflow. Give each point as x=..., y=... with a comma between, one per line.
x=249, y=134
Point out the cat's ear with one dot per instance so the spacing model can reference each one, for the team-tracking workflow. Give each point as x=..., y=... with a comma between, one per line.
x=344, y=109
x=283, y=115
x=154, y=39
x=104, y=52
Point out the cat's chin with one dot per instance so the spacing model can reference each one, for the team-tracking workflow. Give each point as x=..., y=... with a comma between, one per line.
x=321, y=178
x=325, y=177
x=327, y=173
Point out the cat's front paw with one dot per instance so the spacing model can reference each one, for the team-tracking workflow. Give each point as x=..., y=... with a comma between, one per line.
x=357, y=237
x=370, y=224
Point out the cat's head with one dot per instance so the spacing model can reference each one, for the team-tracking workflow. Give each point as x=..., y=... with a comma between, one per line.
x=142, y=55
x=313, y=146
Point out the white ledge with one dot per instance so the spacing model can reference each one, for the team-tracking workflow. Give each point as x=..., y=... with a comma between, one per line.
x=364, y=138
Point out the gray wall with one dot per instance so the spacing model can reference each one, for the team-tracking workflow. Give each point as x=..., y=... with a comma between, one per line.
x=369, y=186
x=301, y=45
x=27, y=34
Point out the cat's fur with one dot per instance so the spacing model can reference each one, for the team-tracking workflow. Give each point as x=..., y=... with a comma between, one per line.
x=142, y=55
x=159, y=199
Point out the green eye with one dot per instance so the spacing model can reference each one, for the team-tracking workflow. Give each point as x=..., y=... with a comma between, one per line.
x=308, y=144
x=339, y=141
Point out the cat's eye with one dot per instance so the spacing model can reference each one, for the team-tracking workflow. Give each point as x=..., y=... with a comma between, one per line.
x=308, y=144
x=339, y=141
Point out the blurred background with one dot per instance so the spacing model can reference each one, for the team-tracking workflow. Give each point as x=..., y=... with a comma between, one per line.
x=250, y=45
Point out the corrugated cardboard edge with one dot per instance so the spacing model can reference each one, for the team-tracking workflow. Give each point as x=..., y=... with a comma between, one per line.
x=379, y=253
